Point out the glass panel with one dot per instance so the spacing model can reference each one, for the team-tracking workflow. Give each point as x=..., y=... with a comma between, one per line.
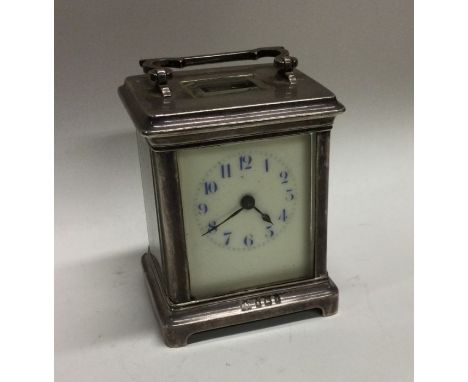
x=219, y=86
x=247, y=210
x=224, y=85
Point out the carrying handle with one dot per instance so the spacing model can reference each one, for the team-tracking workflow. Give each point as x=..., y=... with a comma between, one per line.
x=159, y=69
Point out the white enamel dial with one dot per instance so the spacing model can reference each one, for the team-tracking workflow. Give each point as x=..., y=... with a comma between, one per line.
x=246, y=209
x=246, y=200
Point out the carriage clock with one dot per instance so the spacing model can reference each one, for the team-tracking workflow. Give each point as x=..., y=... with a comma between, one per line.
x=234, y=165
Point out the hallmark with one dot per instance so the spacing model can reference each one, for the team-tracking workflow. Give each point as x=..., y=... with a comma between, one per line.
x=260, y=302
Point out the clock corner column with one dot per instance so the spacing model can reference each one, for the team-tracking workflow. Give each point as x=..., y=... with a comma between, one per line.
x=171, y=225
x=321, y=153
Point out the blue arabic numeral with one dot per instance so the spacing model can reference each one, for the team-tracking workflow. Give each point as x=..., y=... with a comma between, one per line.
x=283, y=216
x=245, y=162
x=284, y=176
x=210, y=187
x=227, y=237
x=203, y=208
x=212, y=226
x=270, y=232
x=248, y=240
x=226, y=170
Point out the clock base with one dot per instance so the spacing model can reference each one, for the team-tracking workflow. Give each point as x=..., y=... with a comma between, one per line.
x=179, y=321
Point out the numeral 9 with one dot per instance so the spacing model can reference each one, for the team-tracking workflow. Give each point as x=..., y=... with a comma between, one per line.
x=202, y=208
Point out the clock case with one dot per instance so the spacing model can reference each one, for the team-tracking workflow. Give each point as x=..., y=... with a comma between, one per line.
x=178, y=109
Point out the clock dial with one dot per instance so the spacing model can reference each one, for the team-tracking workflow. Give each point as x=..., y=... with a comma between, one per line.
x=246, y=209
x=246, y=200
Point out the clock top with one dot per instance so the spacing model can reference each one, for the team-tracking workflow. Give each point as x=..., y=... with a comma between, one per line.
x=227, y=103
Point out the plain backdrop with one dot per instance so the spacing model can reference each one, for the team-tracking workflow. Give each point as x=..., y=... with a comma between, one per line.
x=104, y=326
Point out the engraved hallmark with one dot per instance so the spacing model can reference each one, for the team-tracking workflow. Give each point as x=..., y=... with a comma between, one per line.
x=260, y=302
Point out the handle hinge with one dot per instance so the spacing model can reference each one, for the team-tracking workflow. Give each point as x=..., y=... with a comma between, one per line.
x=159, y=69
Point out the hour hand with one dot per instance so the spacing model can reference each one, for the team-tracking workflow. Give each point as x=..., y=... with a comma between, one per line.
x=248, y=202
x=265, y=217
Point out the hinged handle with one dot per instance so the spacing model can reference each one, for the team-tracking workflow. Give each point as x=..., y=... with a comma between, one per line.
x=159, y=68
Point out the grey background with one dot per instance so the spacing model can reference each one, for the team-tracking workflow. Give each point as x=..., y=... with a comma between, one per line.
x=104, y=327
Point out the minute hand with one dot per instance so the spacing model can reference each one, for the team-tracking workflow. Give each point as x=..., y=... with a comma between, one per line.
x=224, y=221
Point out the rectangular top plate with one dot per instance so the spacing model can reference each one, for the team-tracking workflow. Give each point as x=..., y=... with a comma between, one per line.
x=223, y=102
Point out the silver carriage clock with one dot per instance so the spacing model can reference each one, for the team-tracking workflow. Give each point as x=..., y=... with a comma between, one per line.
x=234, y=163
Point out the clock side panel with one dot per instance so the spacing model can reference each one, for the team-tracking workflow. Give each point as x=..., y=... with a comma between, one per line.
x=149, y=195
x=164, y=219
x=233, y=246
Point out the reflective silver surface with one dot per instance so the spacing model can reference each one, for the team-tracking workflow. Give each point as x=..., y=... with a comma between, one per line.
x=215, y=106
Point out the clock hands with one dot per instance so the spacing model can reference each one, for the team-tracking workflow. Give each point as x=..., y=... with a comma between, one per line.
x=224, y=221
x=265, y=217
x=247, y=203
